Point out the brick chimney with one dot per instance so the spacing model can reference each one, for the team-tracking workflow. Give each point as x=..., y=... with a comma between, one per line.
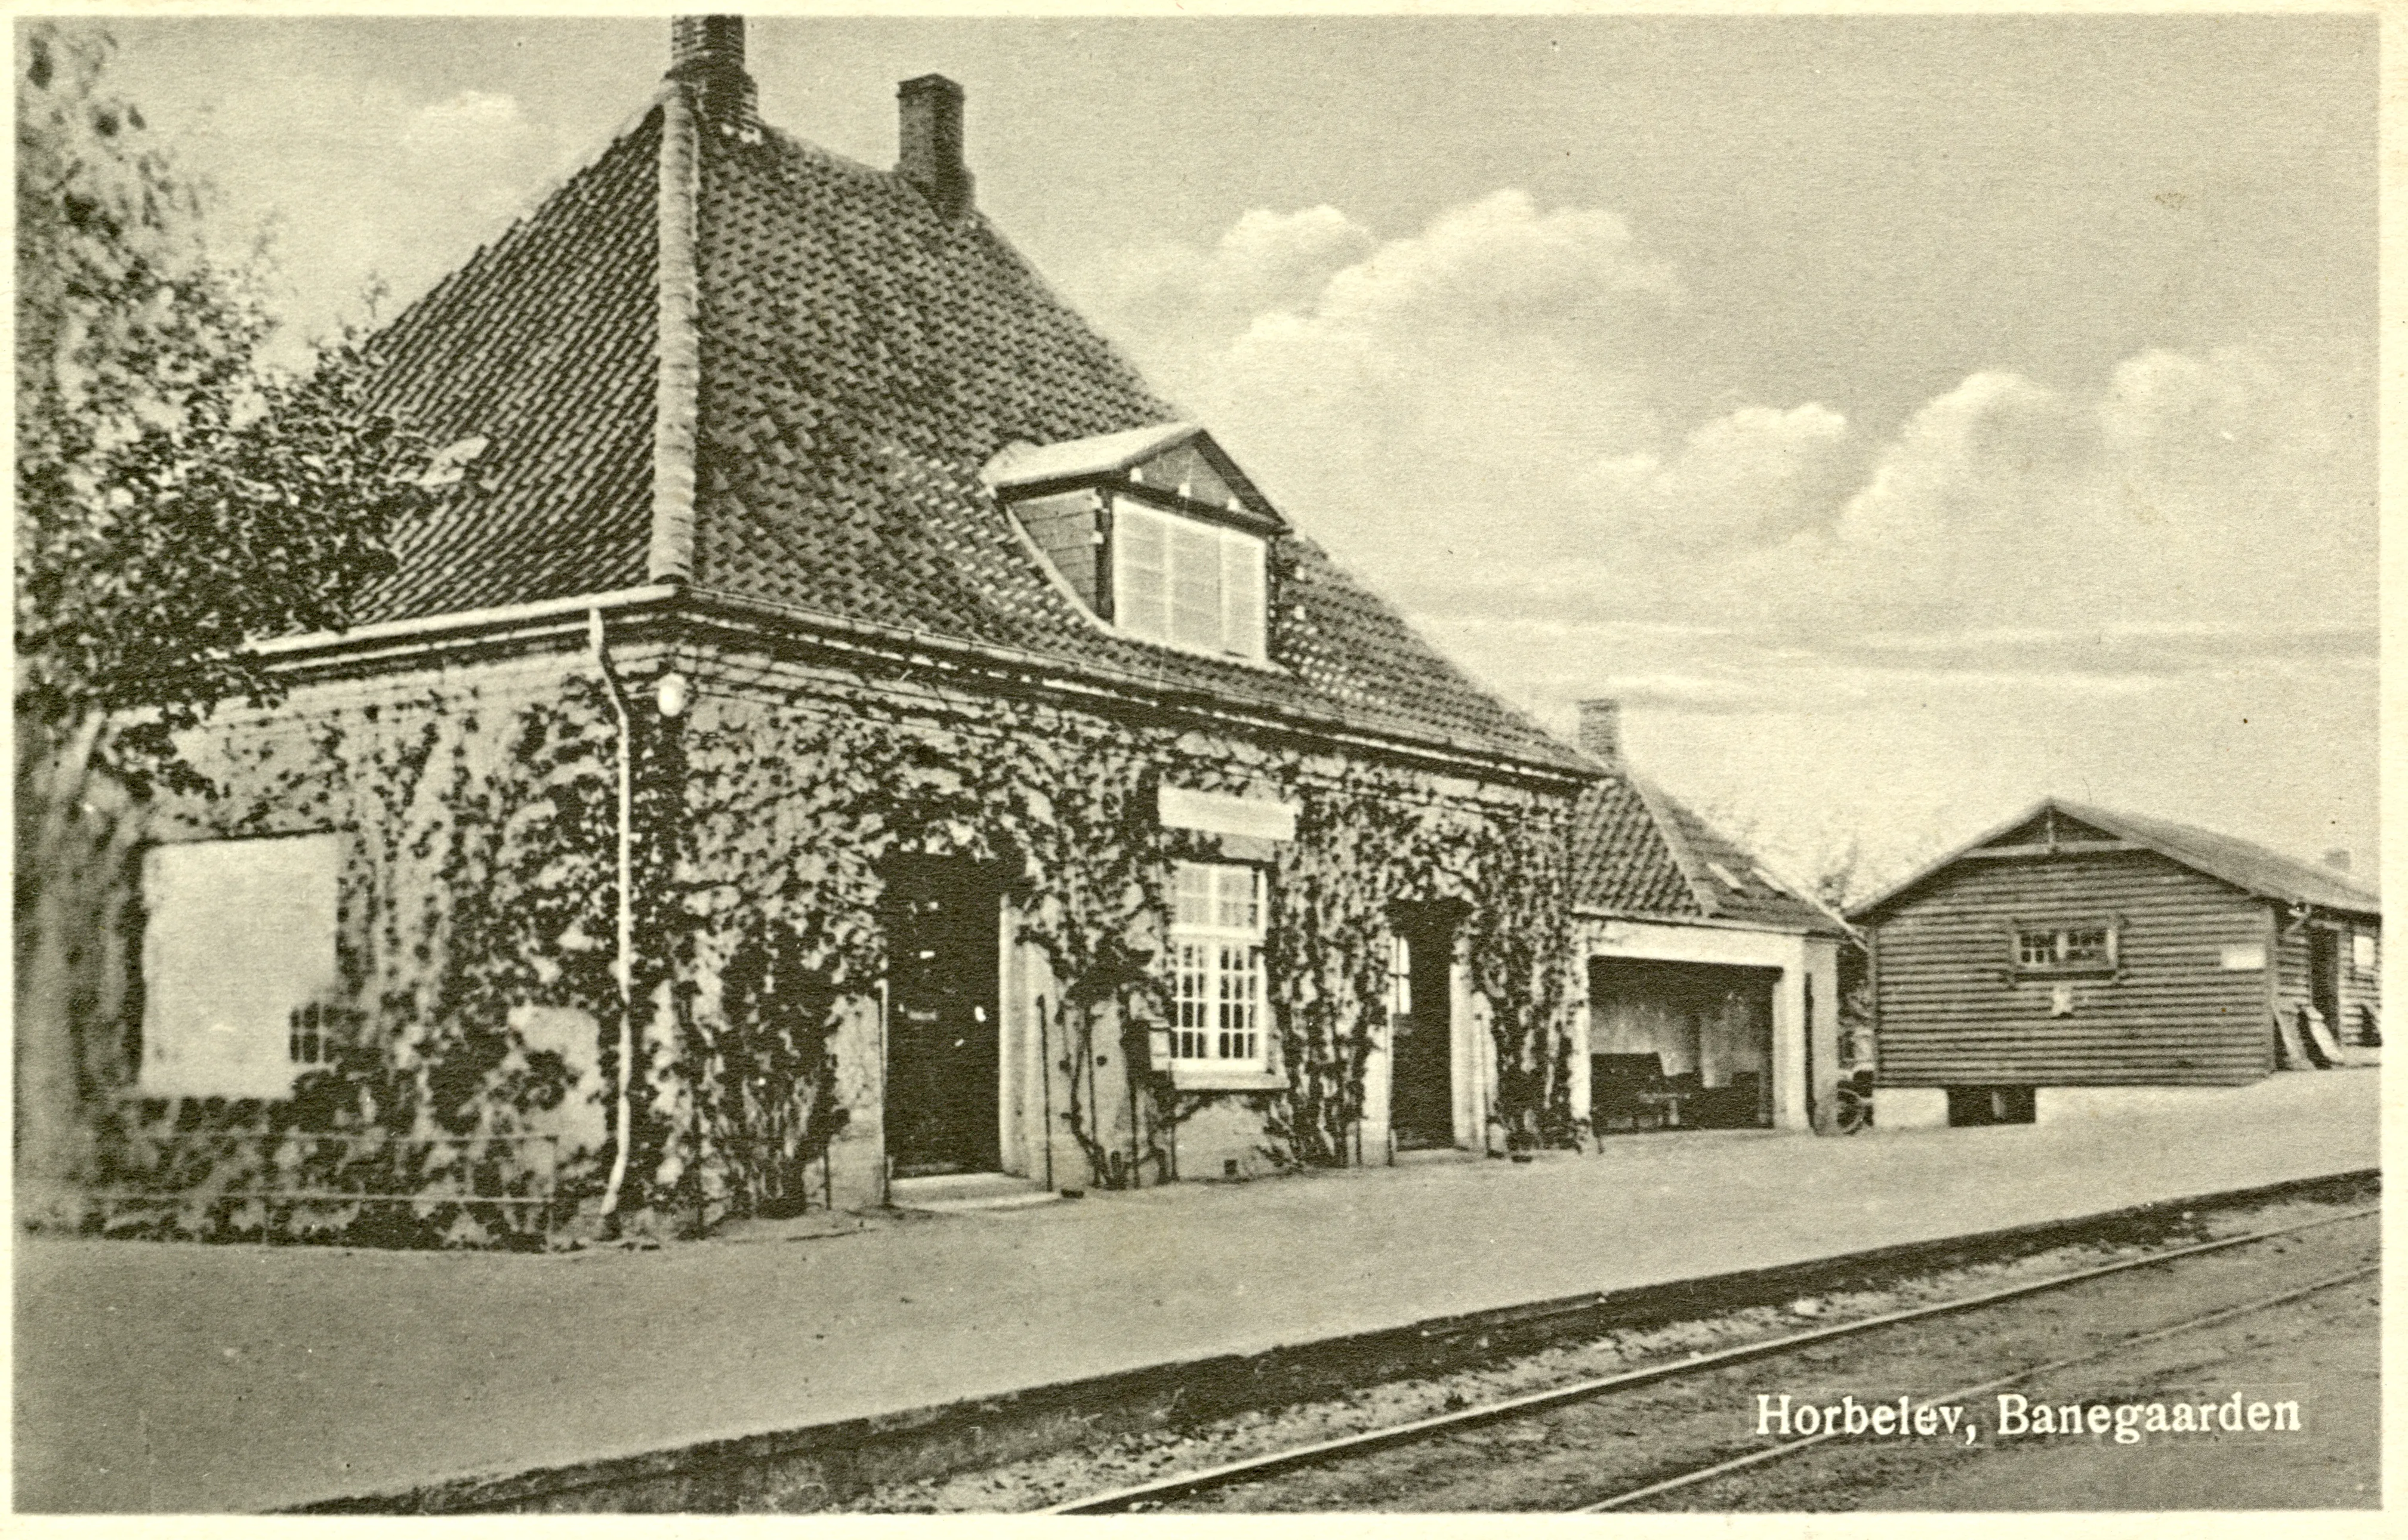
x=1600, y=730
x=931, y=143
x=2336, y=859
x=707, y=52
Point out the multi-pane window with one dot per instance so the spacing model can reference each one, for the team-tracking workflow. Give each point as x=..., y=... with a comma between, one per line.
x=1186, y=583
x=2073, y=947
x=1216, y=939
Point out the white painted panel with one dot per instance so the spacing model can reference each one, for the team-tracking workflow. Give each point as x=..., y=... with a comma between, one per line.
x=239, y=934
x=1255, y=817
x=2248, y=956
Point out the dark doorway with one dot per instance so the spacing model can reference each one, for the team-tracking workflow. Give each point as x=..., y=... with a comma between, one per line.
x=1421, y=1077
x=943, y=1041
x=2324, y=975
x=1985, y=1106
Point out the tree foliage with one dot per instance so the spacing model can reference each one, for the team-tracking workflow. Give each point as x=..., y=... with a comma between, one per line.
x=177, y=496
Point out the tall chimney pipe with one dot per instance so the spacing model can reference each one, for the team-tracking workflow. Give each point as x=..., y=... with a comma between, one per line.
x=707, y=52
x=1600, y=730
x=931, y=143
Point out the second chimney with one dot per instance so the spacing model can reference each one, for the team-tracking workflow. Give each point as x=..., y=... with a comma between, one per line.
x=2338, y=859
x=931, y=158
x=1600, y=730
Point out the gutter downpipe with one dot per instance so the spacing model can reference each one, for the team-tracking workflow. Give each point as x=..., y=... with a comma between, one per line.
x=625, y=965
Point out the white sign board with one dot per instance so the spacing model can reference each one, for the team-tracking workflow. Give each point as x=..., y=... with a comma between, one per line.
x=1256, y=818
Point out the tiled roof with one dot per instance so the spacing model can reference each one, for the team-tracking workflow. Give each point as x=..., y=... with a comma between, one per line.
x=1621, y=860
x=543, y=344
x=1638, y=851
x=862, y=358
x=2244, y=864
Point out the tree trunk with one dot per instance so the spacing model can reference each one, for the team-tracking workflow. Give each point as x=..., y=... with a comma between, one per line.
x=75, y=839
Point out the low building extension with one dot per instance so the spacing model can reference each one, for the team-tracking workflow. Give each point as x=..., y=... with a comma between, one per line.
x=1713, y=986
x=2074, y=948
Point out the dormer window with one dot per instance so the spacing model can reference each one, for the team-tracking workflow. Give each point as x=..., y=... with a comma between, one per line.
x=1191, y=584
x=1155, y=533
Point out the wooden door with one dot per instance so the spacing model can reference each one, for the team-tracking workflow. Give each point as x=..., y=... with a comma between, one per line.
x=943, y=1032
x=2324, y=975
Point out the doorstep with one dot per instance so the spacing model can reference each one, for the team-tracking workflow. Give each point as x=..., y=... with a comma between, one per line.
x=973, y=1192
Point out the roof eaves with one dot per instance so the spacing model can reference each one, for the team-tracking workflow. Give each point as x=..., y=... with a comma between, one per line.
x=1859, y=913
x=1100, y=454
x=1716, y=922
x=2141, y=832
x=1335, y=722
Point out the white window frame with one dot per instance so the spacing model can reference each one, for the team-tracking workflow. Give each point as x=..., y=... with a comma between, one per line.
x=1235, y=570
x=2365, y=959
x=1221, y=1026
x=239, y=964
x=2061, y=945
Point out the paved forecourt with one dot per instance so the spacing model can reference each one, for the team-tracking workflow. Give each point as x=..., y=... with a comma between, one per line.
x=186, y=1378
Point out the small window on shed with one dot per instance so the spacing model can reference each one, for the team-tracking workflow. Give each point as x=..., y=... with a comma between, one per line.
x=2361, y=953
x=238, y=964
x=2071, y=949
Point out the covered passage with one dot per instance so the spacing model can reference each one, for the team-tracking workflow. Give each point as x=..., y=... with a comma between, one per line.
x=1680, y=1044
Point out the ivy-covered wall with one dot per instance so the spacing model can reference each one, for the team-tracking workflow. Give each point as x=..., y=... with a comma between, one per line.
x=476, y=815
x=479, y=1014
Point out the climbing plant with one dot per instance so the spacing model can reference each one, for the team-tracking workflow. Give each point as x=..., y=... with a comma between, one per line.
x=481, y=880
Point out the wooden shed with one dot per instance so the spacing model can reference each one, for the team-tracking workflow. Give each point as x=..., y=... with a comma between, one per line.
x=2077, y=947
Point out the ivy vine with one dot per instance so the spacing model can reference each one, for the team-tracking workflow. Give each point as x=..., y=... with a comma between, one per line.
x=482, y=877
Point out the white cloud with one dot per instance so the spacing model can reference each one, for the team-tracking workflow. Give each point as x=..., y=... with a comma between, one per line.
x=1265, y=262
x=467, y=121
x=1473, y=415
x=478, y=150
x=2037, y=581
x=1750, y=477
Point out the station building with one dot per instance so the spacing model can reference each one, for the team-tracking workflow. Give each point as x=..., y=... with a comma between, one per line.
x=843, y=730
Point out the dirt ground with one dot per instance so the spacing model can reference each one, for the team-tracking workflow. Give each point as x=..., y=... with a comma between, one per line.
x=2325, y=1349
x=189, y=1379
x=1573, y=1456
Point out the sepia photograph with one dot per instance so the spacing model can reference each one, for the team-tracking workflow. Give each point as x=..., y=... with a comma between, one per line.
x=1197, y=760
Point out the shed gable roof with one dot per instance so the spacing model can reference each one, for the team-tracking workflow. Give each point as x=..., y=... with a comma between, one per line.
x=2240, y=862
x=862, y=356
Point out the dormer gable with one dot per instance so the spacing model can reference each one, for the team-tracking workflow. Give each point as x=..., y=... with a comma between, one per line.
x=1154, y=530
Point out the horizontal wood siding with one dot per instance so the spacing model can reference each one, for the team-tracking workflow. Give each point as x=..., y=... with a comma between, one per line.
x=1953, y=1010
x=2360, y=990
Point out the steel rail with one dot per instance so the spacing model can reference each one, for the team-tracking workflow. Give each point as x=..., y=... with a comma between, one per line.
x=1122, y=1499
x=1795, y=1446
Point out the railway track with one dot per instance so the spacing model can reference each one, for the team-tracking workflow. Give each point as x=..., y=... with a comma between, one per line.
x=1263, y=1470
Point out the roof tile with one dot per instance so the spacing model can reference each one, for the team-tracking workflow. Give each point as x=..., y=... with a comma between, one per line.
x=863, y=359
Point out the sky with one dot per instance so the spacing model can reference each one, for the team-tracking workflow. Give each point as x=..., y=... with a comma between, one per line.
x=1904, y=417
